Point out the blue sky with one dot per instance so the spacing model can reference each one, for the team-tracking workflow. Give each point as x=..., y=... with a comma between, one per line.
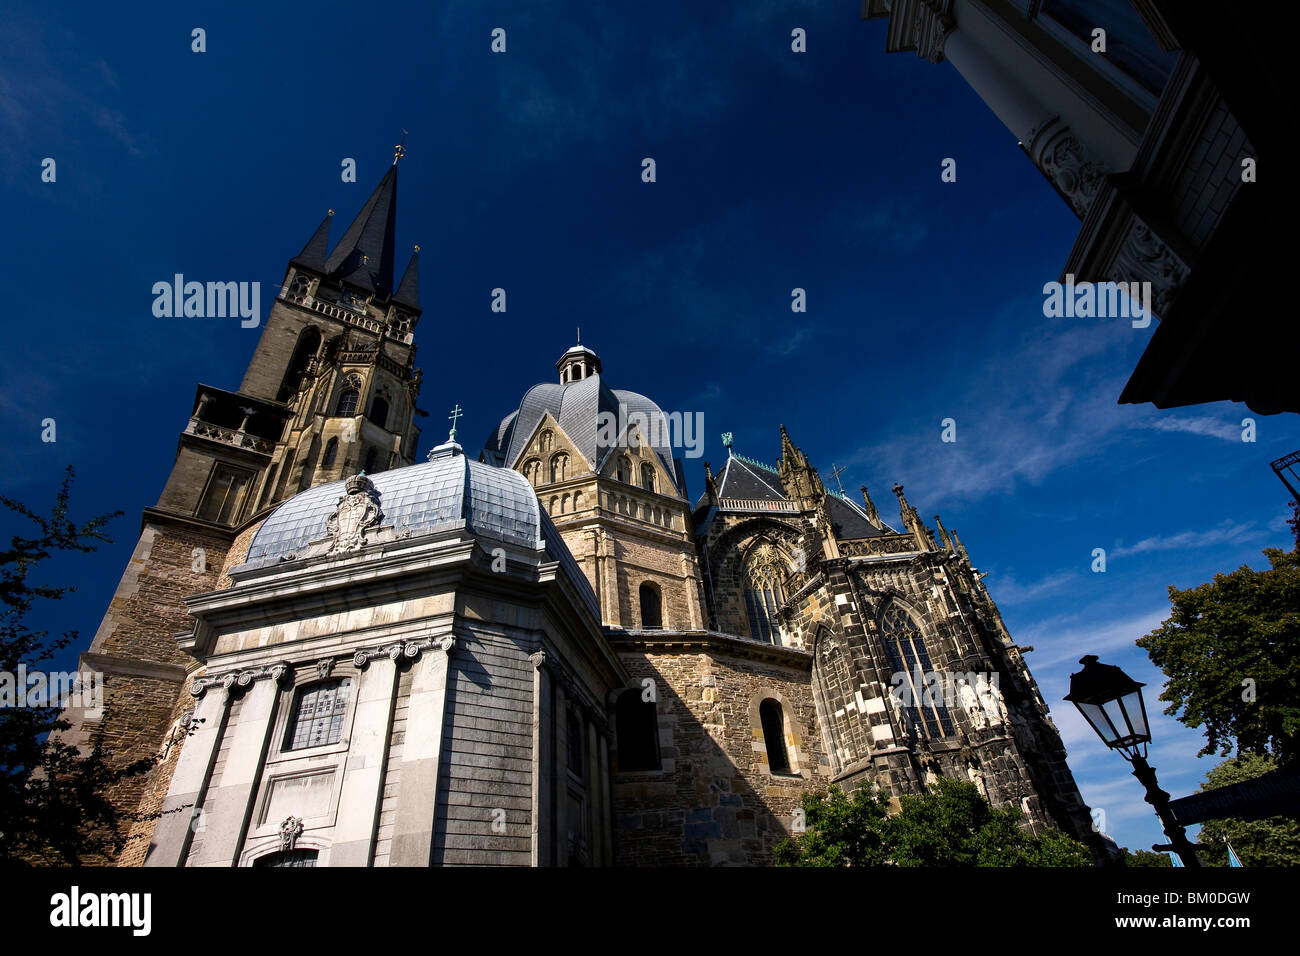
x=775, y=170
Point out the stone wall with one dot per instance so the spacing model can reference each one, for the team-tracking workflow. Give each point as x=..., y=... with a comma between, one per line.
x=715, y=802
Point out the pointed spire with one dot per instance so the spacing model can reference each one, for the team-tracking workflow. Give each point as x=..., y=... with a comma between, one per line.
x=364, y=256
x=959, y=547
x=870, y=507
x=313, y=254
x=943, y=534
x=710, y=486
x=800, y=480
x=408, y=292
x=912, y=521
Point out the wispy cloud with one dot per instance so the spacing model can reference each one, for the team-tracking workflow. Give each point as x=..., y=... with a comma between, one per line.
x=1006, y=590
x=1228, y=533
x=45, y=89
x=1200, y=425
x=1063, y=411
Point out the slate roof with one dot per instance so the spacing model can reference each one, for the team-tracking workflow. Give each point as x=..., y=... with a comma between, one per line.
x=313, y=254
x=364, y=256
x=576, y=407
x=848, y=520
x=408, y=292
x=446, y=492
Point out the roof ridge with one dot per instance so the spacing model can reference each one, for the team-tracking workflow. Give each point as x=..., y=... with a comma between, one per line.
x=743, y=460
x=755, y=461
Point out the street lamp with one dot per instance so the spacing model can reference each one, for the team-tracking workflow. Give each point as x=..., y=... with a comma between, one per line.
x=1111, y=702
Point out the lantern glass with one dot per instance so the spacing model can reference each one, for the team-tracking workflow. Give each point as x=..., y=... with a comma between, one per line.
x=1096, y=716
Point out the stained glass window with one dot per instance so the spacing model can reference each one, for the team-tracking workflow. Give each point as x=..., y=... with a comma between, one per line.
x=923, y=703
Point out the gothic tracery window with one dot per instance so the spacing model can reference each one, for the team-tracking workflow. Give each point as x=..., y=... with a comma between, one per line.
x=348, y=400
x=909, y=659
x=765, y=575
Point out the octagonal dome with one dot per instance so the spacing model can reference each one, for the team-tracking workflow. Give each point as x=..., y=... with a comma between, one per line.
x=449, y=491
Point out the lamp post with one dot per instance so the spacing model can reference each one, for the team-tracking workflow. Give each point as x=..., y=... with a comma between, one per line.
x=1111, y=702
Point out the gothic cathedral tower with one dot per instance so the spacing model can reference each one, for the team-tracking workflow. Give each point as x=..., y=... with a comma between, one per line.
x=330, y=390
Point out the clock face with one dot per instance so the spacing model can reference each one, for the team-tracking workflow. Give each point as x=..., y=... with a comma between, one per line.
x=353, y=300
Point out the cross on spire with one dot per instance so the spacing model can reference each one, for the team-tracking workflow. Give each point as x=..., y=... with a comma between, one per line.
x=453, y=418
x=400, y=149
x=836, y=471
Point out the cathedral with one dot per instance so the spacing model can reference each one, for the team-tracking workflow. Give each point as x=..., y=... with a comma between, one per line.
x=543, y=652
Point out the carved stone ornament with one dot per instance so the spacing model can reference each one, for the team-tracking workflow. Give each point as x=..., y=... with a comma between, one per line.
x=970, y=702
x=324, y=667
x=241, y=679
x=357, y=512
x=1059, y=154
x=398, y=650
x=290, y=830
x=1144, y=257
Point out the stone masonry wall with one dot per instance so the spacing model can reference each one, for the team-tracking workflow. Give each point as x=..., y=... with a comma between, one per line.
x=714, y=802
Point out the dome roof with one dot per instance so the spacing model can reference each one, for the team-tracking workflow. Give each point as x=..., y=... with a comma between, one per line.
x=448, y=491
x=577, y=406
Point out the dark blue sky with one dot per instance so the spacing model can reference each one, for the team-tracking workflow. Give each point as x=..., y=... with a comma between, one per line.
x=775, y=170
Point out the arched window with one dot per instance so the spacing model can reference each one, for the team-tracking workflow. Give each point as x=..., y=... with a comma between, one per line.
x=765, y=574
x=648, y=477
x=778, y=759
x=533, y=471
x=331, y=453
x=638, y=731
x=652, y=615
x=560, y=467
x=379, y=411
x=347, y=406
x=546, y=441
x=625, y=470
x=910, y=661
x=317, y=716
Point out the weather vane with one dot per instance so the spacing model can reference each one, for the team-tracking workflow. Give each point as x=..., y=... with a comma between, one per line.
x=400, y=149
x=453, y=417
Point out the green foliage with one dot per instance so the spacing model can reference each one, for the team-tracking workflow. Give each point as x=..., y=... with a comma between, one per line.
x=1231, y=651
x=951, y=825
x=1272, y=841
x=53, y=803
x=1146, y=858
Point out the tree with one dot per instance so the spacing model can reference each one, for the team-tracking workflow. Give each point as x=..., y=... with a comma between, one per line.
x=951, y=825
x=1272, y=841
x=1231, y=651
x=1146, y=858
x=54, y=806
